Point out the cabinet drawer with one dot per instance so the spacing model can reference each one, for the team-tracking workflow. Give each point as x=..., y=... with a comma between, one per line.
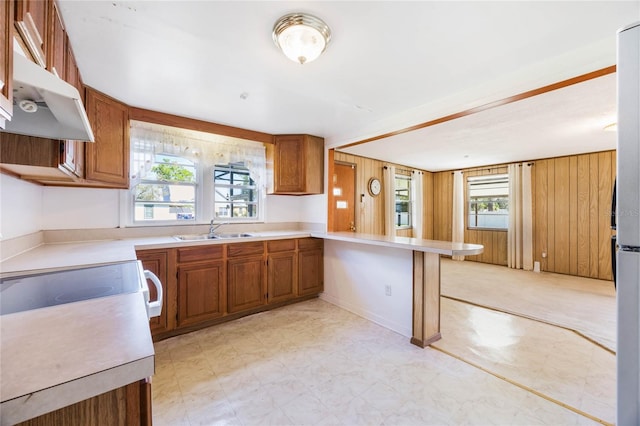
x=199, y=253
x=245, y=249
x=280, y=245
x=310, y=243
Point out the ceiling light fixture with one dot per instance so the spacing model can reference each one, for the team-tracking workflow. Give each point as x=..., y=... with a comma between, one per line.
x=301, y=37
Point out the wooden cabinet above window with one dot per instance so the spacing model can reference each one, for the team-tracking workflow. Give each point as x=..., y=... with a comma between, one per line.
x=296, y=164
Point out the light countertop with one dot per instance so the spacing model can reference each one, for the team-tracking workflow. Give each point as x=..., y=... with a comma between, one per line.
x=415, y=244
x=55, y=256
x=57, y=356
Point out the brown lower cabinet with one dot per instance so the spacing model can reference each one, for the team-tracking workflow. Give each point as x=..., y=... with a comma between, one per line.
x=128, y=405
x=311, y=269
x=208, y=284
x=201, y=292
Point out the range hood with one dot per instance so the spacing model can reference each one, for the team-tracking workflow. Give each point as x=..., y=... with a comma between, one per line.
x=45, y=105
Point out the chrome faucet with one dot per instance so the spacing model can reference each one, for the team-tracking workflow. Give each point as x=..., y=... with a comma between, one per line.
x=214, y=226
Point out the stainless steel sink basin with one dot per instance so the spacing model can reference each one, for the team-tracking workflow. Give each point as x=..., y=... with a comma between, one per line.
x=196, y=237
x=234, y=235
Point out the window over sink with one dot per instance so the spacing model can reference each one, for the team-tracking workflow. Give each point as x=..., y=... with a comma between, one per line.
x=181, y=176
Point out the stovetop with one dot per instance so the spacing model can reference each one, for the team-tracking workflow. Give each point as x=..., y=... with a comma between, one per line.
x=40, y=290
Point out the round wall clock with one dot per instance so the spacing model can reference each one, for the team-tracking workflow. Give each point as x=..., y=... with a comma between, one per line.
x=374, y=186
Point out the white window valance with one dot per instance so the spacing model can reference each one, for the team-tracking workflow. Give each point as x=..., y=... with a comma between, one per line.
x=148, y=139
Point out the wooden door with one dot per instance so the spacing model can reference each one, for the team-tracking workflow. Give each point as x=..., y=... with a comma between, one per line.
x=344, y=197
x=201, y=292
x=245, y=283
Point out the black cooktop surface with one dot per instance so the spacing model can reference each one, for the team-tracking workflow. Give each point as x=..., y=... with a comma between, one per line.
x=40, y=290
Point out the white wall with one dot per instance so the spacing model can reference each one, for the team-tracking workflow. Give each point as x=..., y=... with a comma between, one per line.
x=20, y=207
x=28, y=208
x=291, y=208
x=355, y=276
x=80, y=208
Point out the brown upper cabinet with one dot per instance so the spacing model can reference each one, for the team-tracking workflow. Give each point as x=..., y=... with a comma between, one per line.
x=57, y=44
x=32, y=25
x=6, y=59
x=107, y=160
x=296, y=163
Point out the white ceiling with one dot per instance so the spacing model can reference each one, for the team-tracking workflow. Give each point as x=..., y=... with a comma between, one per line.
x=389, y=65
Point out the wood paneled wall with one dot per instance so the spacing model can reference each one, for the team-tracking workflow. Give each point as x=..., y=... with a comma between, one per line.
x=572, y=204
x=370, y=211
x=442, y=205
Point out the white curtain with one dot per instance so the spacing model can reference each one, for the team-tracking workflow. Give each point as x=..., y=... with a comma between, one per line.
x=418, y=204
x=520, y=234
x=527, y=218
x=149, y=139
x=389, y=176
x=514, y=235
x=457, y=231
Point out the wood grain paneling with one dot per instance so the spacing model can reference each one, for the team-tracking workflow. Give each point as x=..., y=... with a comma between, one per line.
x=369, y=210
x=572, y=199
x=571, y=203
x=442, y=205
x=427, y=211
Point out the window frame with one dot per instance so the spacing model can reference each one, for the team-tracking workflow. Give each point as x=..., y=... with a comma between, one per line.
x=409, y=202
x=486, y=179
x=254, y=187
x=204, y=203
x=197, y=184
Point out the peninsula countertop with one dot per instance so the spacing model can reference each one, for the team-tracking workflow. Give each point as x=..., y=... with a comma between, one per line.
x=416, y=244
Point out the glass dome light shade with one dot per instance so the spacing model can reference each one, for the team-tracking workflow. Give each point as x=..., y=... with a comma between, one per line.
x=302, y=38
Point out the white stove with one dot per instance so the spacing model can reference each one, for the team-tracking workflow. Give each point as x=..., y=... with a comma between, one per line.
x=41, y=290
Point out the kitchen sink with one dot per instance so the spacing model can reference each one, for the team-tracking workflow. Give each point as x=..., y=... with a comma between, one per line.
x=196, y=237
x=234, y=235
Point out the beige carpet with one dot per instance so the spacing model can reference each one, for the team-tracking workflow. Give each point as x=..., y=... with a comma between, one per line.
x=585, y=305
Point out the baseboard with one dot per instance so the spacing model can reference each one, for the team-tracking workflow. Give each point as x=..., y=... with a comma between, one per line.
x=371, y=316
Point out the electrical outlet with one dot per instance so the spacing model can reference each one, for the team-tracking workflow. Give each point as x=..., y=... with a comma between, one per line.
x=387, y=290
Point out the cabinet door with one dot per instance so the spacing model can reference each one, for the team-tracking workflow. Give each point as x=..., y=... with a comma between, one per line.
x=201, y=292
x=107, y=160
x=57, y=47
x=156, y=262
x=296, y=165
x=281, y=276
x=289, y=164
x=245, y=283
x=6, y=61
x=31, y=22
x=310, y=272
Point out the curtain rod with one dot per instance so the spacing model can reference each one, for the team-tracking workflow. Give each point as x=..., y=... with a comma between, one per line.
x=401, y=169
x=531, y=163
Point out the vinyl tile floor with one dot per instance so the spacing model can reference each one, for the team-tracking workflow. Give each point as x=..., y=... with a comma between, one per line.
x=313, y=363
